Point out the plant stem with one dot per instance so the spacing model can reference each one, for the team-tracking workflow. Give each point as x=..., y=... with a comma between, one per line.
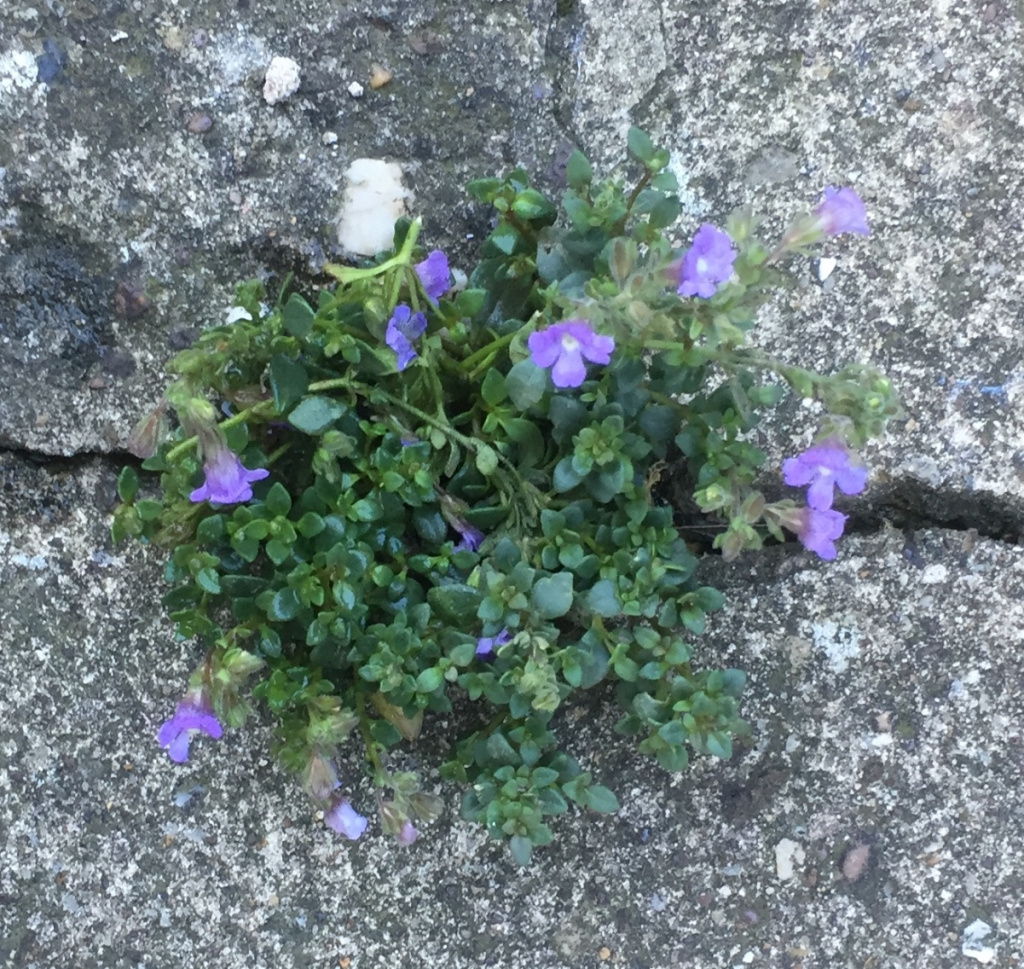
x=239, y=418
x=493, y=347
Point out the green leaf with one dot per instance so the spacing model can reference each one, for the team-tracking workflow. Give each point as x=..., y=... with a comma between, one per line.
x=531, y=204
x=454, y=602
x=429, y=680
x=544, y=776
x=484, y=189
x=470, y=302
x=603, y=599
x=500, y=750
x=493, y=389
x=673, y=733
x=522, y=850
x=288, y=380
x=719, y=743
x=486, y=460
x=594, y=660
x=210, y=529
x=367, y=510
x=664, y=213
x=600, y=798
x=310, y=525
x=208, y=580
x=278, y=501
x=298, y=316
x=565, y=477
x=315, y=414
x=552, y=596
x=270, y=642
x=127, y=484
x=245, y=545
x=505, y=238
x=640, y=145
x=277, y=551
x=148, y=509
x=578, y=172
x=673, y=758
x=526, y=384
x=241, y=586
x=285, y=605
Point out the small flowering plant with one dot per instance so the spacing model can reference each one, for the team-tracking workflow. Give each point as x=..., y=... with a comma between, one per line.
x=391, y=490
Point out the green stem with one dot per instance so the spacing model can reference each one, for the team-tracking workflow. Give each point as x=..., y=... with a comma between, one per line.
x=348, y=274
x=493, y=347
x=620, y=225
x=239, y=418
x=372, y=754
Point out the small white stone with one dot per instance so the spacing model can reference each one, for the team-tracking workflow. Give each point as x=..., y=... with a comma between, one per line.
x=972, y=947
x=934, y=575
x=374, y=198
x=826, y=264
x=237, y=313
x=329, y=138
x=789, y=855
x=282, y=80
x=356, y=89
x=118, y=36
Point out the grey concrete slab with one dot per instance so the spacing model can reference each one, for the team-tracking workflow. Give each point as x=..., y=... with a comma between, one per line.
x=885, y=689
x=918, y=107
x=882, y=781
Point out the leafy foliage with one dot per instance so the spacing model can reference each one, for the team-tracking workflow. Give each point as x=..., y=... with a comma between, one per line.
x=350, y=573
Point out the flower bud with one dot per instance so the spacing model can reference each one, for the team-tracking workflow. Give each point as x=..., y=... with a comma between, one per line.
x=407, y=834
x=319, y=778
x=426, y=807
x=150, y=432
x=391, y=818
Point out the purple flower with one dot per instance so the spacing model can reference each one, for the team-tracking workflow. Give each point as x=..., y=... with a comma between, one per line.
x=194, y=712
x=407, y=834
x=472, y=537
x=564, y=346
x=821, y=467
x=228, y=481
x=707, y=263
x=433, y=273
x=486, y=645
x=345, y=819
x=404, y=327
x=842, y=211
x=818, y=531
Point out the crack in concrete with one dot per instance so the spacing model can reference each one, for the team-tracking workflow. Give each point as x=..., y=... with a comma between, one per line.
x=904, y=508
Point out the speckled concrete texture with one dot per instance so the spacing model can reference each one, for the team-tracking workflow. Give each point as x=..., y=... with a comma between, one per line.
x=888, y=756
x=917, y=106
x=874, y=820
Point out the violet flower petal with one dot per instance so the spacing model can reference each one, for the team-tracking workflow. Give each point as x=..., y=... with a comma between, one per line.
x=564, y=346
x=403, y=329
x=707, y=263
x=842, y=211
x=345, y=820
x=434, y=274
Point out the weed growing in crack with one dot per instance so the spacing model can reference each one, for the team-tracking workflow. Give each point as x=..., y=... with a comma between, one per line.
x=423, y=489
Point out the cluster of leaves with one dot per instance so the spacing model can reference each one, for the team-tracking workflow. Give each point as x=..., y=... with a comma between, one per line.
x=349, y=572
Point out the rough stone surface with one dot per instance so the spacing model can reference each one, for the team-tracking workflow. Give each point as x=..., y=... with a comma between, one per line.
x=910, y=745
x=914, y=106
x=885, y=689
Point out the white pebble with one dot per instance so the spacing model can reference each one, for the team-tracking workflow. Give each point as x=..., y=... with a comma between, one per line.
x=374, y=198
x=826, y=264
x=356, y=89
x=282, y=80
x=972, y=946
x=329, y=138
x=789, y=855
